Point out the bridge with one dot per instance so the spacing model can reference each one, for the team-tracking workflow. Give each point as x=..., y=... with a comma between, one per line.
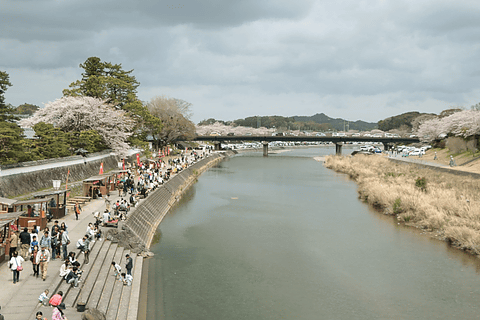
x=339, y=141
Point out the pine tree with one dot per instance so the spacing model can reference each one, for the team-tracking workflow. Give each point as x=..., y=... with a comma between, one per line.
x=7, y=112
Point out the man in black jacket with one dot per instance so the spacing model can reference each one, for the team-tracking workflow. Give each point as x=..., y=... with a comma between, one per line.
x=129, y=265
x=25, y=243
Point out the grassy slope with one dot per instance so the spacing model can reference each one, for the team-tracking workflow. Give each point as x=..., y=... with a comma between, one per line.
x=449, y=207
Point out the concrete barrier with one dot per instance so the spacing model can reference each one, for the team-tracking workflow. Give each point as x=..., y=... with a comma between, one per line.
x=143, y=221
x=29, y=182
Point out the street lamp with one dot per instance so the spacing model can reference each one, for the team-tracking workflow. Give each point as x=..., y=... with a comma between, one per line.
x=56, y=184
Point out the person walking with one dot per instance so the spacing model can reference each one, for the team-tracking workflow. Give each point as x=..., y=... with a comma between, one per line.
x=107, y=202
x=42, y=259
x=13, y=243
x=65, y=240
x=16, y=266
x=77, y=209
x=33, y=259
x=129, y=265
x=25, y=242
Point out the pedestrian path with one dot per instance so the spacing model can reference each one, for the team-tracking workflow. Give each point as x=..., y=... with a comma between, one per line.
x=98, y=288
x=419, y=161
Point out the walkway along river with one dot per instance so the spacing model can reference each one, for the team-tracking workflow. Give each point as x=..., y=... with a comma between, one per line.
x=285, y=238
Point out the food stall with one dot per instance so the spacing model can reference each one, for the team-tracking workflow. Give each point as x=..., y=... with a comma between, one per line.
x=8, y=223
x=57, y=202
x=96, y=185
x=6, y=205
x=117, y=177
x=36, y=212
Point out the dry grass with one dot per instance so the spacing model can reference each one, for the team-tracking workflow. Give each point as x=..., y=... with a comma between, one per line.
x=450, y=205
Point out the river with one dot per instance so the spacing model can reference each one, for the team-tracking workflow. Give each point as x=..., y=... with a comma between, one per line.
x=283, y=237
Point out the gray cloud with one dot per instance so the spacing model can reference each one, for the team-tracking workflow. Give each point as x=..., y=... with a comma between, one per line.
x=236, y=58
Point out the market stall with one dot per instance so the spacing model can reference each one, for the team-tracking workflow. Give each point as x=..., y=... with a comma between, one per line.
x=116, y=177
x=6, y=205
x=36, y=212
x=97, y=185
x=57, y=202
x=8, y=223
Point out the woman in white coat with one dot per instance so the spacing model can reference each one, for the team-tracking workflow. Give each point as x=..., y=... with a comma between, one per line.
x=16, y=266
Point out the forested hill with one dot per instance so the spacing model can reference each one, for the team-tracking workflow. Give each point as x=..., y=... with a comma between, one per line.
x=337, y=123
x=318, y=122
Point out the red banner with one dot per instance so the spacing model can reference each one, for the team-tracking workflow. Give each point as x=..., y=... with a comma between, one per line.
x=123, y=164
x=101, y=168
x=138, y=160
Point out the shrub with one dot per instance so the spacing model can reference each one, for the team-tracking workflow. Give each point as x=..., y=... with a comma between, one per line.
x=397, y=206
x=421, y=183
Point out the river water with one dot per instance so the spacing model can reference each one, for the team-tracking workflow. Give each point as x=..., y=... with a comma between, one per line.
x=285, y=238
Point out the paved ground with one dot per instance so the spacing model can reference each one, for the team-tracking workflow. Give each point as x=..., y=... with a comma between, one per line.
x=419, y=160
x=18, y=301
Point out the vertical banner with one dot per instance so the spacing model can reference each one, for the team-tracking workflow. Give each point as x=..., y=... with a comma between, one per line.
x=138, y=160
x=101, y=168
x=66, y=183
x=123, y=164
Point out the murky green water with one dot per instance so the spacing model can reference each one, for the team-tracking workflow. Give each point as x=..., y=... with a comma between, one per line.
x=284, y=238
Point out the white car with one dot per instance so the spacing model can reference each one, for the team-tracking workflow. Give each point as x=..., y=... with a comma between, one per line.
x=416, y=152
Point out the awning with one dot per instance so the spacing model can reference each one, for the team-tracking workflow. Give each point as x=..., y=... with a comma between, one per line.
x=6, y=218
x=50, y=193
x=7, y=201
x=95, y=178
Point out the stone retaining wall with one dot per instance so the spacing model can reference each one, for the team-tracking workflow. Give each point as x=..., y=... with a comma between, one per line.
x=23, y=183
x=144, y=220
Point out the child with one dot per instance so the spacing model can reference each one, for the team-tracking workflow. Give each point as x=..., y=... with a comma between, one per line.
x=56, y=299
x=33, y=243
x=116, y=268
x=43, y=298
x=127, y=279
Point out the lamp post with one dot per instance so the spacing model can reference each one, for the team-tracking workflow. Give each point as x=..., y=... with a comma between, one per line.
x=56, y=184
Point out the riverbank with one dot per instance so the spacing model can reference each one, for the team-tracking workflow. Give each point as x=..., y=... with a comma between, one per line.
x=443, y=204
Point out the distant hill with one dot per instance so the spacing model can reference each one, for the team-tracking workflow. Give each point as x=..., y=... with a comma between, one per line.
x=404, y=120
x=338, y=123
x=318, y=122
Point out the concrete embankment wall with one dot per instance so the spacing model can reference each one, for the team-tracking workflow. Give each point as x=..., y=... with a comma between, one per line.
x=144, y=220
x=440, y=169
x=28, y=182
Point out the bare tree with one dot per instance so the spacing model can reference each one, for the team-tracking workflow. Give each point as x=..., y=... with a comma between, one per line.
x=174, y=114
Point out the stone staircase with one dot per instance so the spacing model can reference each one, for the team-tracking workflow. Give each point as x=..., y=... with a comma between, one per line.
x=98, y=287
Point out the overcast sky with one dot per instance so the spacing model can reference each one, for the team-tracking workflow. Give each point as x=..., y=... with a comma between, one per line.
x=358, y=60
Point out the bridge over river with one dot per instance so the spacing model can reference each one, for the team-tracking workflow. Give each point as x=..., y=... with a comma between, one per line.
x=339, y=141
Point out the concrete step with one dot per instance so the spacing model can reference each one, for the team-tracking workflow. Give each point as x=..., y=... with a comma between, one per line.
x=92, y=277
x=73, y=293
x=110, y=282
x=134, y=299
x=103, y=271
x=113, y=307
x=126, y=294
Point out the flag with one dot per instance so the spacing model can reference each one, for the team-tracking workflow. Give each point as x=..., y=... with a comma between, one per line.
x=123, y=165
x=101, y=168
x=66, y=183
x=138, y=160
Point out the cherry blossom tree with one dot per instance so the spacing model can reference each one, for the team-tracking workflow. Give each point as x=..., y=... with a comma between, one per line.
x=77, y=114
x=224, y=130
x=465, y=123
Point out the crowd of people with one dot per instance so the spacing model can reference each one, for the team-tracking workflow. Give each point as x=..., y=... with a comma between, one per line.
x=41, y=246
